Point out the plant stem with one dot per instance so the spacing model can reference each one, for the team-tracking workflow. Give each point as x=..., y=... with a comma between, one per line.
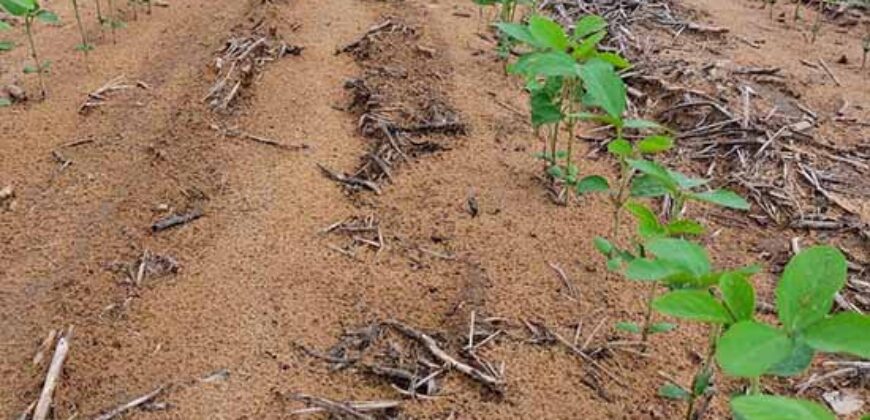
x=797, y=10
x=28, y=23
x=755, y=386
x=113, y=20
x=707, y=364
x=99, y=13
x=569, y=87
x=85, y=44
x=647, y=320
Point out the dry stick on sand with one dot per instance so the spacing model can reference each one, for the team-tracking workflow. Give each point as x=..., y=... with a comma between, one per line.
x=131, y=404
x=490, y=381
x=354, y=409
x=97, y=97
x=43, y=406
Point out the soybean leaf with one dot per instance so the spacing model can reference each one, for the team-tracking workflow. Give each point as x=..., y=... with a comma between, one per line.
x=47, y=16
x=592, y=183
x=630, y=327
x=548, y=64
x=604, y=88
x=692, y=305
x=519, y=32
x=654, y=170
x=556, y=171
x=796, y=362
x=673, y=392
x=544, y=111
x=29, y=69
x=620, y=147
x=6, y=45
x=748, y=349
x=686, y=182
x=809, y=282
x=645, y=186
x=617, y=60
x=548, y=33
x=701, y=381
x=846, y=332
x=772, y=407
x=738, y=295
x=642, y=269
x=684, y=255
x=661, y=327
x=648, y=224
x=18, y=7
x=589, y=25
x=4, y=26
x=723, y=198
x=588, y=48
x=655, y=144
x=684, y=227
x=4, y=102
x=603, y=245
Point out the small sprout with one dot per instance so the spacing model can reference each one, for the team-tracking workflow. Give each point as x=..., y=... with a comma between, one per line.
x=629, y=327
x=85, y=46
x=30, y=11
x=673, y=391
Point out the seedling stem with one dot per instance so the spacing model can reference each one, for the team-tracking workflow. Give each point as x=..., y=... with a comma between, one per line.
x=28, y=23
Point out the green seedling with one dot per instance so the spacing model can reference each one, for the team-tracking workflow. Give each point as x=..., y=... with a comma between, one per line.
x=741, y=345
x=566, y=74
x=31, y=11
x=100, y=20
x=507, y=14
x=85, y=46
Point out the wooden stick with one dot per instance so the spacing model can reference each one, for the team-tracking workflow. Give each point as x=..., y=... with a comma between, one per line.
x=490, y=381
x=131, y=404
x=830, y=73
x=43, y=406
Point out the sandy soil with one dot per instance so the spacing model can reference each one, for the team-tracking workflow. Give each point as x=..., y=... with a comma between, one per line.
x=257, y=278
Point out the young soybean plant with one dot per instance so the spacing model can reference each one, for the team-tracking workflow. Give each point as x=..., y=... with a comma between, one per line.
x=744, y=347
x=31, y=11
x=85, y=46
x=566, y=73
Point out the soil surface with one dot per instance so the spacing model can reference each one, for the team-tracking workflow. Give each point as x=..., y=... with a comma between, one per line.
x=244, y=289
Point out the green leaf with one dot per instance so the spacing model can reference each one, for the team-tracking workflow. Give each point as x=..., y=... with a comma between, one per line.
x=47, y=16
x=603, y=245
x=519, y=32
x=620, y=148
x=673, y=392
x=686, y=182
x=589, y=25
x=809, y=282
x=84, y=47
x=592, y=183
x=796, y=362
x=630, y=327
x=684, y=255
x=723, y=198
x=655, y=144
x=605, y=89
x=643, y=125
x=18, y=7
x=692, y=305
x=548, y=64
x=588, y=48
x=656, y=171
x=684, y=227
x=4, y=26
x=6, y=45
x=548, y=33
x=544, y=110
x=648, y=224
x=738, y=295
x=645, y=186
x=642, y=269
x=701, y=381
x=748, y=349
x=556, y=171
x=846, y=332
x=4, y=102
x=617, y=60
x=29, y=69
x=661, y=327
x=772, y=407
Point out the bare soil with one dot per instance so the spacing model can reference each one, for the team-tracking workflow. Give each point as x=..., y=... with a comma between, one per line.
x=258, y=280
